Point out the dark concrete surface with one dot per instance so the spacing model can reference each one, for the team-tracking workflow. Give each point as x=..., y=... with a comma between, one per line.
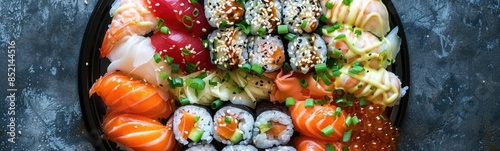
x=454, y=93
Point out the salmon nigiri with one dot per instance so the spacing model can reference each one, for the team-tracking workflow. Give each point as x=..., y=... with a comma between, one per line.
x=289, y=85
x=127, y=95
x=305, y=143
x=319, y=121
x=139, y=132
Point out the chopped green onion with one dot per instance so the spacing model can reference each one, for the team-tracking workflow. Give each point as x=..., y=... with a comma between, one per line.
x=214, y=81
x=194, y=2
x=338, y=111
x=303, y=83
x=262, y=31
x=205, y=43
x=247, y=67
x=315, y=77
x=348, y=120
x=357, y=32
x=227, y=77
x=360, y=86
x=330, y=147
x=347, y=2
x=323, y=18
x=169, y=59
x=175, y=68
x=382, y=117
x=186, y=52
x=320, y=102
x=320, y=68
x=355, y=120
x=337, y=52
x=290, y=36
x=163, y=75
x=287, y=67
x=215, y=44
x=196, y=118
x=372, y=87
x=362, y=101
x=160, y=23
x=309, y=103
x=329, y=5
x=244, y=26
x=342, y=102
x=177, y=82
x=164, y=29
x=227, y=119
x=303, y=24
x=345, y=148
x=197, y=84
x=330, y=29
x=190, y=67
x=257, y=69
x=347, y=136
x=327, y=131
x=289, y=101
x=216, y=104
x=196, y=12
x=157, y=57
x=339, y=92
x=340, y=36
x=202, y=75
x=336, y=71
x=185, y=101
x=282, y=29
x=223, y=24
x=356, y=68
x=190, y=23
x=325, y=79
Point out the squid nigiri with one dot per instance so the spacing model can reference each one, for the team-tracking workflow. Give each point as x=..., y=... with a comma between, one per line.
x=127, y=95
x=305, y=143
x=324, y=121
x=139, y=132
x=370, y=15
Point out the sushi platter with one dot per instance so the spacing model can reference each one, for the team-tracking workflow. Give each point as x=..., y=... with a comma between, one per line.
x=244, y=75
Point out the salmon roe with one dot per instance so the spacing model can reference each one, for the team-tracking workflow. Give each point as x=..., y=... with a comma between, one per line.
x=374, y=132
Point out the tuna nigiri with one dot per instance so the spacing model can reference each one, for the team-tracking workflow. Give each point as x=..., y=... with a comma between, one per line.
x=127, y=95
x=305, y=143
x=139, y=132
x=319, y=121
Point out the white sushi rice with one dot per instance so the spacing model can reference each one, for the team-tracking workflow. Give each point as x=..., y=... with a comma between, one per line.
x=205, y=147
x=205, y=124
x=306, y=51
x=282, y=148
x=262, y=49
x=297, y=11
x=239, y=148
x=260, y=14
x=264, y=140
x=245, y=124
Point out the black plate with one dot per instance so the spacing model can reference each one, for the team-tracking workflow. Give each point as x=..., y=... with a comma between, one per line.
x=91, y=67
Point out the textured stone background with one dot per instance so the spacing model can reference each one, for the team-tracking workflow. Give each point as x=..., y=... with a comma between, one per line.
x=454, y=98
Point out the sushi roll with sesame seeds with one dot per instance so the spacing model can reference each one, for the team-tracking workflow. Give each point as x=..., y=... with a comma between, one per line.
x=193, y=125
x=267, y=52
x=205, y=147
x=233, y=125
x=301, y=15
x=222, y=13
x=306, y=51
x=239, y=148
x=273, y=125
x=263, y=16
x=228, y=47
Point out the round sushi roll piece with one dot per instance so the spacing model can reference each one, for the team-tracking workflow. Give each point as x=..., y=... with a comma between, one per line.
x=221, y=13
x=233, y=125
x=301, y=15
x=267, y=51
x=263, y=16
x=192, y=125
x=282, y=148
x=239, y=148
x=306, y=51
x=204, y=147
x=273, y=126
x=228, y=47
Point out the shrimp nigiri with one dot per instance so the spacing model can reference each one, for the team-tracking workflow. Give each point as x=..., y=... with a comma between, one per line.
x=130, y=17
x=305, y=143
x=318, y=121
x=127, y=95
x=139, y=132
x=370, y=15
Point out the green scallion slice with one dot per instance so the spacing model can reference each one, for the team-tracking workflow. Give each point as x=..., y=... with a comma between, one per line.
x=196, y=12
x=175, y=68
x=355, y=120
x=290, y=36
x=357, y=32
x=303, y=24
x=289, y=101
x=202, y=75
x=177, y=82
x=157, y=57
x=257, y=69
x=189, y=23
x=247, y=67
x=348, y=120
x=338, y=111
x=303, y=83
x=185, y=101
x=163, y=75
x=216, y=104
x=205, y=43
x=164, y=29
x=262, y=31
x=197, y=84
x=345, y=148
x=223, y=24
x=347, y=136
x=325, y=79
x=320, y=68
x=227, y=119
x=356, y=68
x=227, y=77
x=282, y=29
x=340, y=36
x=160, y=23
x=329, y=5
x=330, y=147
x=362, y=101
x=190, y=67
x=309, y=103
x=169, y=59
x=327, y=131
x=323, y=18
x=186, y=52
x=286, y=67
x=194, y=2
x=342, y=102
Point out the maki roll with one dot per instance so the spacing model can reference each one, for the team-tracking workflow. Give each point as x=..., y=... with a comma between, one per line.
x=282, y=148
x=192, y=125
x=263, y=16
x=239, y=148
x=301, y=15
x=273, y=126
x=228, y=47
x=233, y=125
x=306, y=51
x=222, y=13
x=267, y=52
x=204, y=147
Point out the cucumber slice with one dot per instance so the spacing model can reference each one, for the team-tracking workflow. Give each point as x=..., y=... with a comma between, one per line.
x=195, y=134
x=265, y=127
x=237, y=136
